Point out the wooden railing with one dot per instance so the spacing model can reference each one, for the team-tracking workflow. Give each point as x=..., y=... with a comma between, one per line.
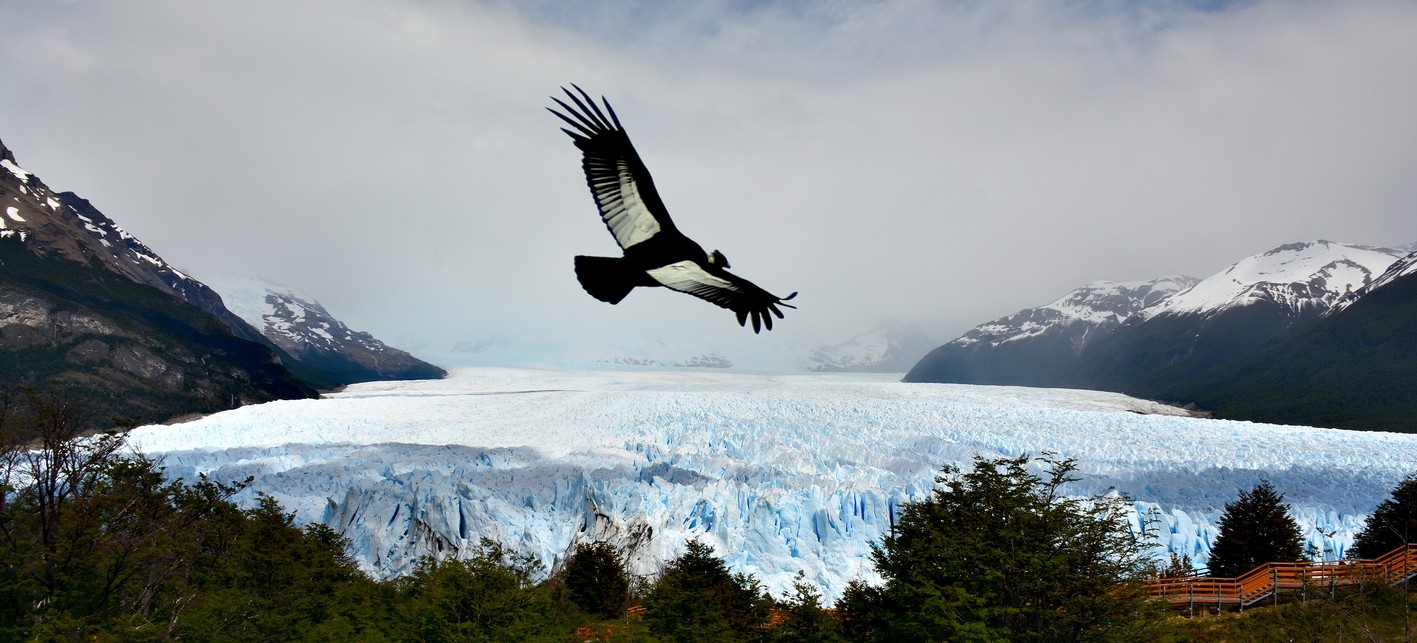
x=1268, y=581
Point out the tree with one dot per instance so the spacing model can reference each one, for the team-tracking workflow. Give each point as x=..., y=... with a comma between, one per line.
x=597, y=581
x=802, y=617
x=998, y=553
x=696, y=598
x=1392, y=524
x=1253, y=530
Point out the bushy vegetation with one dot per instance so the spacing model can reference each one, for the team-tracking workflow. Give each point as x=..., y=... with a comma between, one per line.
x=98, y=545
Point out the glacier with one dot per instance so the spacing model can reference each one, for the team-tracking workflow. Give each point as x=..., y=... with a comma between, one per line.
x=779, y=472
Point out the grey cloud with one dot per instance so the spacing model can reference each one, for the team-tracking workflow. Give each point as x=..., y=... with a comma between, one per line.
x=941, y=162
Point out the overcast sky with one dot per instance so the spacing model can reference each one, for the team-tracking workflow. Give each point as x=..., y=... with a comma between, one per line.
x=939, y=163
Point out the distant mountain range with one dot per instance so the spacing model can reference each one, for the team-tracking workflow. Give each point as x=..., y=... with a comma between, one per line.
x=1315, y=333
x=299, y=325
x=90, y=313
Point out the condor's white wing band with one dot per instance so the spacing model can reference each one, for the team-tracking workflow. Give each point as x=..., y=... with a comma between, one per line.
x=621, y=207
x=688, y=277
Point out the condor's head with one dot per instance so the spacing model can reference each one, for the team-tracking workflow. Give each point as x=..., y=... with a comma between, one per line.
x=718, y=260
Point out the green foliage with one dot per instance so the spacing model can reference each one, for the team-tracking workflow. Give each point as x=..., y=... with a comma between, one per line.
x=95, y=542
x=998, y=553
x=1253, y=530
x=265, y=578
x=597, y=581
x=1392, y=524
x=862, y=612
x=488, y=597
x=696, y=598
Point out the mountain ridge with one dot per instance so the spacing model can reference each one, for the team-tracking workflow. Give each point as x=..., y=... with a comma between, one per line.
x=1185, y=346
x=93, y=318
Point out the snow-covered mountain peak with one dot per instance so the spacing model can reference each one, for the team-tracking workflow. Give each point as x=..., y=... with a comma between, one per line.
x=70, y=226
x=1098, y=304
x=1299, y=277
x=1102, y=301
x=1400, y=268
x=279, y=311
x=15, y=223
x=300, y=325
x=66, y=225
x=248, y=297
x=1407, y=265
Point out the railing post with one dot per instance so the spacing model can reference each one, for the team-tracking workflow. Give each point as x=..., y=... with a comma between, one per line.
x=1274, y=583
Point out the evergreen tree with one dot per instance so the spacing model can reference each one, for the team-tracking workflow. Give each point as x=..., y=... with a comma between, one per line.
x=597, y=581
x=1253, y=530
x=1392, y=524
x=696, y=598
x=998, y=553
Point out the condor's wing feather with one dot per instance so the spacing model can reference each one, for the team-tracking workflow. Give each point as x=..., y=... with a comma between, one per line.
x=725, y=290
x=619, y=182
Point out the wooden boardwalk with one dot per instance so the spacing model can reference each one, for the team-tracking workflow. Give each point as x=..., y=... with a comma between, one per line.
x=1299, y=580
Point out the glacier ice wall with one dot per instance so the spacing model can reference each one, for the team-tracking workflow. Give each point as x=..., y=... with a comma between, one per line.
x=780, y=473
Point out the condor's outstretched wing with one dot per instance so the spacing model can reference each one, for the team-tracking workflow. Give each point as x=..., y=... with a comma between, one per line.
x=724, y=289
x=622, y=187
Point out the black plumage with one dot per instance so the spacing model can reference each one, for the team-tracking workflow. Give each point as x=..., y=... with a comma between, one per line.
x=655, y=252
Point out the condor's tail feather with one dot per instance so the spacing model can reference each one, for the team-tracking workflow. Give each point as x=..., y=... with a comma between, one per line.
x=608, y=279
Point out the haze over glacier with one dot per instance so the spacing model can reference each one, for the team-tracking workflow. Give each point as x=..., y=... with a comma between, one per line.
x=779, y=472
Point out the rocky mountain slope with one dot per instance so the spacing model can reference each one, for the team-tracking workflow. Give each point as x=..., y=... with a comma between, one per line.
x=1351, y=368
x=1040, y=346
x=91, y=314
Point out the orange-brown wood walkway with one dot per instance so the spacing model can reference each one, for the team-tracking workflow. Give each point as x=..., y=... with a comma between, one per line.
x=1269, y=581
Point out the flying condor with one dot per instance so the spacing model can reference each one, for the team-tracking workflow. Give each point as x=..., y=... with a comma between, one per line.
x=655, y=252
